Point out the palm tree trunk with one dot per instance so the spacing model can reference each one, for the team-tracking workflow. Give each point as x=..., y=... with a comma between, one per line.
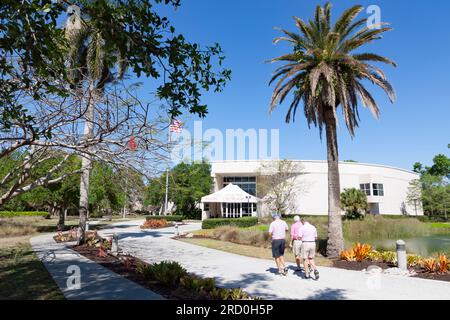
x=335, y=243
x=86, y=163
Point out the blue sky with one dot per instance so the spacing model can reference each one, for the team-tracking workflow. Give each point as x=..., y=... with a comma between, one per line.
x=415, y=128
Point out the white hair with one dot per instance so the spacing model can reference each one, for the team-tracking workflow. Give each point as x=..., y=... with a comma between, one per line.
x=296, y=218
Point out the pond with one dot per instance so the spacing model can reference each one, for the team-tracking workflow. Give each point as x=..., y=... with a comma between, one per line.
x=424, y=246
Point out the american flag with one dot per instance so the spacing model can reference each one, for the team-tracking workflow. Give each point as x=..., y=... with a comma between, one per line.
x=175, y=126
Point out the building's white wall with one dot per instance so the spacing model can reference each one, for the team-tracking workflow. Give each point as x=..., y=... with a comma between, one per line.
x=313, y=183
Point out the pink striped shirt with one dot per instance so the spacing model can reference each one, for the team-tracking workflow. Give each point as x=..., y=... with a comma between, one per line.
x=295, y=230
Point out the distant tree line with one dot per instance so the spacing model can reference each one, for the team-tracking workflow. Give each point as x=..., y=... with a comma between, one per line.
x=432, y=189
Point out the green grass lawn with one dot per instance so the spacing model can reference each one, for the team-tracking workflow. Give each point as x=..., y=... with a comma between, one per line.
x=23, y=276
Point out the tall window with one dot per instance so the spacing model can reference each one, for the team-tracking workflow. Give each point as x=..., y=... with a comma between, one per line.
x=248, y=184
x=377, y=189
x=365, y=187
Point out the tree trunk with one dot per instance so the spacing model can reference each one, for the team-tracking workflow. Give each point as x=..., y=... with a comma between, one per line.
x=61, y=221
x=335, y=243
x=86, y=163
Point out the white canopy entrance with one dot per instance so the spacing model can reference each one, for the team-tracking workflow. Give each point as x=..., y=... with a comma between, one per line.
x=229, y=202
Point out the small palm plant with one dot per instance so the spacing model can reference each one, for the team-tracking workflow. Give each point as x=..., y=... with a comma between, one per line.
x=354, y=203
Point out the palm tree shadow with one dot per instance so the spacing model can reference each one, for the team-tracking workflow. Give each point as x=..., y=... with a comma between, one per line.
x=328, y=294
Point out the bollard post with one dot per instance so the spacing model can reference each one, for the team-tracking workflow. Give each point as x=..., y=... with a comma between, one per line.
x=177, y=232
x=87, y=226
x=401, y=255
x=115, y=244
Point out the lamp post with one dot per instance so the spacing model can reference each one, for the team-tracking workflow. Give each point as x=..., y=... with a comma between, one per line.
x=248, y=204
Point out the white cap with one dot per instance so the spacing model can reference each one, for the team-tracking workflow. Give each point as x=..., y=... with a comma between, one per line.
x=296, y=218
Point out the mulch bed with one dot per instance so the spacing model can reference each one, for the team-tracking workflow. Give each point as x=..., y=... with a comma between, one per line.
x=359, y=266
x=432, y=276
x=127, y=269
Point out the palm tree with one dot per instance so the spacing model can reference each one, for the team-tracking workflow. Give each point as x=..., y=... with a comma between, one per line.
x=90, y=63
x=324, y=73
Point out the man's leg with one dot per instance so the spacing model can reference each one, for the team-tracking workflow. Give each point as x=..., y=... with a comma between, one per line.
x=282, y=265
x=297, y=261
x=312, y=263
x=306, y=266
x=277, y=261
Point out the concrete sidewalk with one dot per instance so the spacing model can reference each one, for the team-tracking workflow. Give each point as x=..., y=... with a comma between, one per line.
x=257, y=276
x=97, y=282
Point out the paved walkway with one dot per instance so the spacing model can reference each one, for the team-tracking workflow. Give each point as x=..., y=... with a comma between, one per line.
x=96, y=282
x=257, y=276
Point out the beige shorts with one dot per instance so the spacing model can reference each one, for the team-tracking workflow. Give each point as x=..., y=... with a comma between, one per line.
x=308, y=250
x=297, y=248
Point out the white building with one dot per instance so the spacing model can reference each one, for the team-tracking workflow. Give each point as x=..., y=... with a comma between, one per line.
x=386, y=187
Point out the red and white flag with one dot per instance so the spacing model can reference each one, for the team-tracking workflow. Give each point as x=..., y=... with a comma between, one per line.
x=176, y=126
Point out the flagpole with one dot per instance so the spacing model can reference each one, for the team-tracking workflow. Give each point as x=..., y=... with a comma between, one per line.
x=167, y=180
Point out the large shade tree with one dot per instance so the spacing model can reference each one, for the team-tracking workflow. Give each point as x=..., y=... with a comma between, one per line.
x=106, y=37
x=325, y=73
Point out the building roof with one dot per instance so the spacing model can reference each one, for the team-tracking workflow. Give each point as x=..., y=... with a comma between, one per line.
x=230, y=194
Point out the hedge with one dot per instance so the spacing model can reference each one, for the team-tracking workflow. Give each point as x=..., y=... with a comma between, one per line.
x=433, y=218
x=11, y=214
x=237, y=222
x=176, y=218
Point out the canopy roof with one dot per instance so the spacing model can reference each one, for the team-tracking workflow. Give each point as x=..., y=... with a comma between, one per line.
x=230, y=194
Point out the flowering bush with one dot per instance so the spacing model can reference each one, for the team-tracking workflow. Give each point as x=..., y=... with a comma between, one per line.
x=71, y=235
x=154, y=224
x=361, y=251
x=443, y=264
x=429, y=264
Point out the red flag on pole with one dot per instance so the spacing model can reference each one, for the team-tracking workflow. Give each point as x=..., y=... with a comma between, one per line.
x=132, y=145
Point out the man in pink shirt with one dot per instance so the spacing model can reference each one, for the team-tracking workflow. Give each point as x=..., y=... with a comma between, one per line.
x=308, y=234
x=277, y=231
x=296, y=242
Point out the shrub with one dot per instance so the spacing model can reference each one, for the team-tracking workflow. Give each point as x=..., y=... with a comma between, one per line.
x=252, y=237
x=389, y=256
x=429, y=264
x=375, y=256
x=71, y=235
x=196, y=284
x=195, y=214
x=354, y=203
x=347, y=255
x=237, y=222
x=413, y=260
x=229, y=294
x=172, y=218
x=11, y=214
x=443, y=263
x=167, y=273
x=361, y=251
x=154, y=224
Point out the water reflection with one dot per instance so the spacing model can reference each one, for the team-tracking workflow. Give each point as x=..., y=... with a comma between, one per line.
x=424, y=246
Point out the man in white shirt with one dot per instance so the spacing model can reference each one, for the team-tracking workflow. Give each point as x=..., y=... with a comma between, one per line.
x=308, y=235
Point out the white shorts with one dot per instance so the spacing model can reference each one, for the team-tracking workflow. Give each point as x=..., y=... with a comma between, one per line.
x=297, y=248
x=308, y=250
